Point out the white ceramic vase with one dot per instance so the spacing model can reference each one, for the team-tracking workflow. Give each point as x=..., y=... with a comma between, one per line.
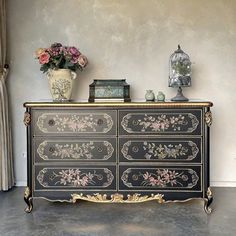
x=149, y=96
x=61, y=83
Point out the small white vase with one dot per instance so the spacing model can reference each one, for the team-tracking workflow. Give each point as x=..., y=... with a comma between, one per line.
x=160, y=96
x=149, y=96
x=61, y=83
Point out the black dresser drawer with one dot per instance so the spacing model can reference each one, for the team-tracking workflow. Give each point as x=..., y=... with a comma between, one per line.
x=74, y=122
x=171, y=178
x=160, y=122
x=69, y=149
x=162, y=149
x=75, y=177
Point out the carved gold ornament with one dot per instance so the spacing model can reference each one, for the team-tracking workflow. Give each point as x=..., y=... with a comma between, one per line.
x=28, y=200
x=209, y=192
x=208, y=118
x=27, y=192
x=27, y=119
x=208, y=201
x=118, y=198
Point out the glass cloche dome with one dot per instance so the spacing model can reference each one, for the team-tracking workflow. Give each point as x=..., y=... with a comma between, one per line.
x=179, y=72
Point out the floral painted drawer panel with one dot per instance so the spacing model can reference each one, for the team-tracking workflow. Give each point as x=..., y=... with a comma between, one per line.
x=61, y=149
x=161, y=122
x=84, y=122
x=75, y=177
x=162, y=149
x=160, y=177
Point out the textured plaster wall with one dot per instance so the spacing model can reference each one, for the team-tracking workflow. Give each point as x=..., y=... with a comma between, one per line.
x=130, y=39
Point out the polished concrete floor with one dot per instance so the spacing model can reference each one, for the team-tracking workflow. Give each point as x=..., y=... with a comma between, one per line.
x=144, y=219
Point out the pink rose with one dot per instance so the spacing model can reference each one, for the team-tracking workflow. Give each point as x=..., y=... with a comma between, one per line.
x=74, y=51
x=82, y=60
x=44, y=58
x=74, y=59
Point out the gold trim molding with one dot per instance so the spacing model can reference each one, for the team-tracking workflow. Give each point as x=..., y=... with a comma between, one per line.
x=208, y=118
x=168, y=104
x=118, y=198
x=27, y=118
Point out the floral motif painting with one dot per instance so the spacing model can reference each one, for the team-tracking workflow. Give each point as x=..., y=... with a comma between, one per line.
x=163, y=151
x=75, y=123
x=159, y=150
x=75, y=177
x=162, y=122
x=154, y=122
x=160, y=178
x=74, y=150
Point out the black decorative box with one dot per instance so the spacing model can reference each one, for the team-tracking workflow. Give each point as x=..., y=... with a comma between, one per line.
x=109, y=91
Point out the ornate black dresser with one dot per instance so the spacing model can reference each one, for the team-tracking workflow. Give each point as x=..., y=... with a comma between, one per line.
x=118, y=152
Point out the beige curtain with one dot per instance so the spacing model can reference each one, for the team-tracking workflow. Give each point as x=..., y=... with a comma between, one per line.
x=6, y=161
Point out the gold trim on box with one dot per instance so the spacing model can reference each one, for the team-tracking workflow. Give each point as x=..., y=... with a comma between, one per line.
x=118, y=198
x=121, y=104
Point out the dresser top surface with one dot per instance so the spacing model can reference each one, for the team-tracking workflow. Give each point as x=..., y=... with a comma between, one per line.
x=134, y=103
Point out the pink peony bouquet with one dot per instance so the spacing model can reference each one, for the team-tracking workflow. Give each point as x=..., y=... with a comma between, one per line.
x=61, y=57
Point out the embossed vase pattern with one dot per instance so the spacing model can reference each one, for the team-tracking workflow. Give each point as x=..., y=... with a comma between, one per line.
x=61, y=83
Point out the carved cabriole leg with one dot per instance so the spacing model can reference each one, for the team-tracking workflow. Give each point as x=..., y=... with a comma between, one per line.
x=28, y=200
x=208, y=201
